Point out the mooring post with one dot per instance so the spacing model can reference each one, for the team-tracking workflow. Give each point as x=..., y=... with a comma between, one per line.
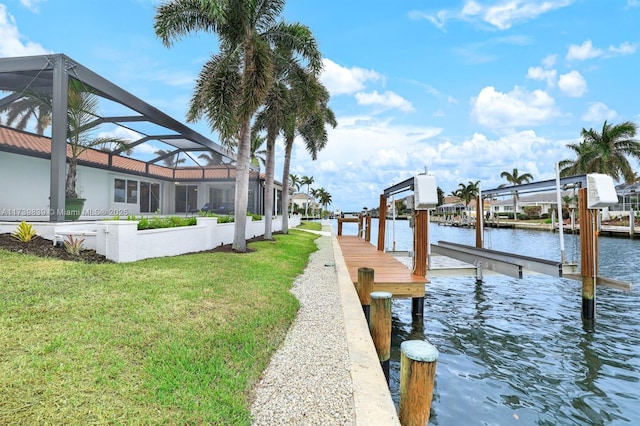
x=632, y=224
x=417, y=376
x=364, y=288
x=360, y=225
x=588, y=255
x=417, y=306
x=479, y=272
x=380, y=328
x=367, y=232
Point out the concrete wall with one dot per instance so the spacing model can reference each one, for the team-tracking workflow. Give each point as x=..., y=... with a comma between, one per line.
x=120, y=240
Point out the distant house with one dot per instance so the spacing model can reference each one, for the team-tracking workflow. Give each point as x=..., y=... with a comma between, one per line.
x=546, y=201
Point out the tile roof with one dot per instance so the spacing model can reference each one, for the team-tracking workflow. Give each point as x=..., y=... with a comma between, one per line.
x=32, y=144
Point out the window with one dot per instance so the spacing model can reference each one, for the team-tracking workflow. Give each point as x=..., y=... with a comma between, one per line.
x=186, y=198
x=149, y=197
x=119, y=191
x=132, y=191
x=125, y=191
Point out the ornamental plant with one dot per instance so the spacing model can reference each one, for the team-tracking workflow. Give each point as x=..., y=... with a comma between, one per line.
x=24, y=232
x=73, y=245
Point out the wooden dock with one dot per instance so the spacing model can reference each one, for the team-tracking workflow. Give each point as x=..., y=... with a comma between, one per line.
x=390, y=274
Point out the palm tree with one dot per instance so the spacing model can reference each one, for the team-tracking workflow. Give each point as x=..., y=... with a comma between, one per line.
x=293, y=185
x=172, y=161
x=324, y=197
x=308, y=114
x=233, y=83
x=515, y=178
x=212, y=158
x=307, y=180
x=605, y=152
x=258, y=156
x=31, y=106
x=81, y=112
x=467, y=192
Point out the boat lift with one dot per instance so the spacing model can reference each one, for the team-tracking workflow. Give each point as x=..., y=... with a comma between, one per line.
x=595, y=191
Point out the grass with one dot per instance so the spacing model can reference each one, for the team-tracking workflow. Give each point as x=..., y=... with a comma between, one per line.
x=314, y=226
x=177, y=340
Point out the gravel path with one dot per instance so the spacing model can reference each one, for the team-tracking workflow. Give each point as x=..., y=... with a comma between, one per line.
x=308, y=381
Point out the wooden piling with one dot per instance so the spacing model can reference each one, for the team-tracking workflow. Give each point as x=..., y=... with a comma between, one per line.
x=367, y=231
x=382, y=220
x=380, y=328
x=588, y=255
x=364, y=288
x=417, y=376
x=421, y=242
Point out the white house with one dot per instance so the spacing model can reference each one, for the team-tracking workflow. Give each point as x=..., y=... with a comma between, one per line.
x=112, y=185
x=33, y=167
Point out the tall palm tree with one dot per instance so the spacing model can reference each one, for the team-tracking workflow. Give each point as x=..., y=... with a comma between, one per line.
x=515, y=178
x=234, y=83
x=605, y=152
x=171, y=161
x=307, y=180
x=307, y=117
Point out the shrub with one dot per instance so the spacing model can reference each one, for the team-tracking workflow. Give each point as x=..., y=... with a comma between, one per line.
x=24, y=232
x=73, y=245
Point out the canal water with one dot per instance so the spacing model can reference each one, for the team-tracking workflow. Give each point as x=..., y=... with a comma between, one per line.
x=516, y=351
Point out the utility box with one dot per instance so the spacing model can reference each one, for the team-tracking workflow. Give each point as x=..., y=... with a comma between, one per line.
x=600, y=191
x=425, y=192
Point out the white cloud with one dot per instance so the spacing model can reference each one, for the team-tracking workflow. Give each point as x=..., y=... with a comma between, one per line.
x=549, y=61
x=505, y=14
x=501, y=15
x=340, y=80
x=587, y=51
x=386, y=100
x=514, y=109
x=572, y=84
x=32, y=5
x=598, y=112
x=583, y=52
x=625, y=48
x=175, y=78
x=539, y=73
x=11, y=41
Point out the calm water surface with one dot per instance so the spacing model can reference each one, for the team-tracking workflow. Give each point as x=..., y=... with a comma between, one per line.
x=516, y=351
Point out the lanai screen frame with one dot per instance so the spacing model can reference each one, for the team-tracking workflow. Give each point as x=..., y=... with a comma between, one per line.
x=52, y=72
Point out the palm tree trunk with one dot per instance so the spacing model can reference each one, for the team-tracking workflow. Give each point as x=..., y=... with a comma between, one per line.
x=242, y=188
x=70, y=185
x=285, y=185
x=515, y=207
x=268, y=196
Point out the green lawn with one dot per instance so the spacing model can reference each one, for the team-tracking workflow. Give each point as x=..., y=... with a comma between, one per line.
x=177, y=340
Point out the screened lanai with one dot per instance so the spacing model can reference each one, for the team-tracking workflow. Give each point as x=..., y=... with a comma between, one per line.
x=184, y=154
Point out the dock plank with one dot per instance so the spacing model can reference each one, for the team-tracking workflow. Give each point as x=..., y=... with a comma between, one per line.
x=389, y=273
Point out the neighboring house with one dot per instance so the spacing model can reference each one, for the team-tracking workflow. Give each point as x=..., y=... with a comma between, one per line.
x=545, y=200
x=300, y=200
x=112, y=185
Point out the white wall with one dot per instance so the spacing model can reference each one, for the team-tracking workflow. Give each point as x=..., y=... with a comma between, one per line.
x=24, y=187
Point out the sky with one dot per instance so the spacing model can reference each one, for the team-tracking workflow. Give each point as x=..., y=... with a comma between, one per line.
x=461, y=89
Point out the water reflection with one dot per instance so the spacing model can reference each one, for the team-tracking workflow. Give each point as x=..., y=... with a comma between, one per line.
x=516, y=351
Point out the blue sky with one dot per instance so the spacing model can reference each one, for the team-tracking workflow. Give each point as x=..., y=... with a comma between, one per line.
x=464, y=89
